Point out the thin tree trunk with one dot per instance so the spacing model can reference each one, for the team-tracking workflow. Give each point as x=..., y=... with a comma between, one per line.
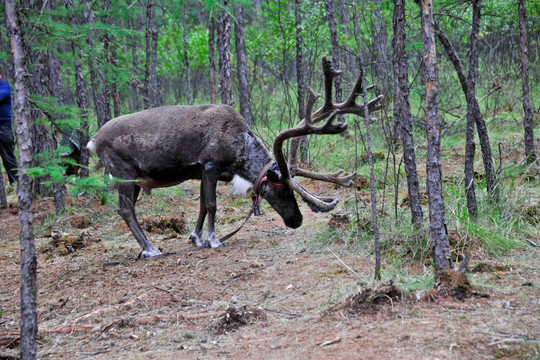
x=212, y=60
x=335, y=52
x=136, y=83
x=472, y=112
x=402, y=112
x=301, y=90
x=150, y=96
x=379, y=50
x=3, y=198
x=224, y=52
x=186, y=57
x=438, y=233
x=83, y=132
x=367, y=122
x=28, y=292
x=82, y=101
x=528, y=120
x=241, y=62
x=472, y=103
x=154, y=83
x=101, y=105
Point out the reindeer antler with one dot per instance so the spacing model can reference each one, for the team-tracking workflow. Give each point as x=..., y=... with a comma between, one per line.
x=306, y=126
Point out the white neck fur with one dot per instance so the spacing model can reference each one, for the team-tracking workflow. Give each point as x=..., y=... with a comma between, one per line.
x=240, y=186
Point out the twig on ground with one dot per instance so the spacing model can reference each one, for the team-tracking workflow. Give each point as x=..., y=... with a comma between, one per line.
x=186, y=317
x=330, y=342
x=244, y=275
x=346, y=266
x=282, y=313
x=167, y=291
x=532, y=243
x=102, y=311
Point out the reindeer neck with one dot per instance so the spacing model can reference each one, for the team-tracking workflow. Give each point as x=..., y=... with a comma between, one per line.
x=257, y=157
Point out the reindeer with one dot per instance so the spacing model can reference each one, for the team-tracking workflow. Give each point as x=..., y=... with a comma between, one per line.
x=165, y=146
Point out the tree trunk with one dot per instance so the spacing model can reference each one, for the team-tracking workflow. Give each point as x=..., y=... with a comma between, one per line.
x=335, y=53
x=301, y=90
x=83, y=132
x=136, y=83
x=402, y=112
x=212, y=60
x=110, y=57
x=3, y=198
x=28, y=292
x=379, y=49
x=438, y=233
x=151, y=91
x=528, y=120
x=224, y=53
x=473, y=112
x=186, y=57
x=101, y=105
x=241, y=62
x=367, y=123
x=472, y=104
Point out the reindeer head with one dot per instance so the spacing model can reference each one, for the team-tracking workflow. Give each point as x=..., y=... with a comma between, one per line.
x=327, y=111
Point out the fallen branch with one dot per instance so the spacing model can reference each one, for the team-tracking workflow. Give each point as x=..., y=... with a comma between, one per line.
x=532, y=243
x=180, y=316
x=102, y=311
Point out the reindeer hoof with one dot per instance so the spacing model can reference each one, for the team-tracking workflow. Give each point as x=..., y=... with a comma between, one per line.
x=197, y=241
x=208, y=244
x=145, y=254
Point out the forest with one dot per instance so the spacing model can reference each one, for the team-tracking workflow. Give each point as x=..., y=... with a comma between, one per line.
x=406, y=131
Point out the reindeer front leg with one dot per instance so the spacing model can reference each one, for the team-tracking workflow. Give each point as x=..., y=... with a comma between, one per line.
x=209, y=182
x=196, y=236
x=127, y=196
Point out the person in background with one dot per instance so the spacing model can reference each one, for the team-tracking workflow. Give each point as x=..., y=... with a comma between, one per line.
x=7, y=142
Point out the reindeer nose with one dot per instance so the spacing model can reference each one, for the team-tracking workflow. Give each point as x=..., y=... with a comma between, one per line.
x=294, y=222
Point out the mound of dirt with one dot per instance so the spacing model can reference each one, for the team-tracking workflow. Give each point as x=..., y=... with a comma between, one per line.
x=235, y=318
x=369, y=301
x=80, y=221
x=65, y=244
x=452, y=283
x=161, y=224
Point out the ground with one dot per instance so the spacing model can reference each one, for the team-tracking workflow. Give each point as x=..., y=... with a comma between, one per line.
x=270, y=294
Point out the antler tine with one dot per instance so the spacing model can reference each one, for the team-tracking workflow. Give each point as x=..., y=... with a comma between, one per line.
x=314, y=202
x=312, y=98
x=334, y=178
x=329, y=74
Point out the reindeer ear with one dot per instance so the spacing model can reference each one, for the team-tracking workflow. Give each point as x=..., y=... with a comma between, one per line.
x=274, y=175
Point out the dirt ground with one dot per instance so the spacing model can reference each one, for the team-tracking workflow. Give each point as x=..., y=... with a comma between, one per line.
x=270, y=294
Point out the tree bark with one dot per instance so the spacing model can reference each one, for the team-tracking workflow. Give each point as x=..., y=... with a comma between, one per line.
x=151, y=87
x=528, y=120
x=186, y=57
x=335, y=52
x=402, y=112
x=3, y=198
x=472, y=105
x=438, y=233
x=101, y=105
x=224, y=53
x=367, y=123
x=299, y=143
x=28, y=292
x=212, y=60
x=241, y=63
x=379, y=50
x=473, y=112
x=136, y=83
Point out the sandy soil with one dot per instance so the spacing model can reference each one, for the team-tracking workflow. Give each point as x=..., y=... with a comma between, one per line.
x=96, y=300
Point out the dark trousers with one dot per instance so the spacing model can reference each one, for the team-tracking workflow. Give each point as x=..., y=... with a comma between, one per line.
x=7, y=144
